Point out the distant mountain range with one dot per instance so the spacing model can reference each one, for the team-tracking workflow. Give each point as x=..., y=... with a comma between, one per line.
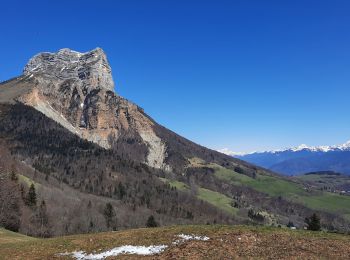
x=301, y=159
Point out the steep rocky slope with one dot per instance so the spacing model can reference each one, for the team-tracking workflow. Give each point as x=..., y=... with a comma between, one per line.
x=77, y=91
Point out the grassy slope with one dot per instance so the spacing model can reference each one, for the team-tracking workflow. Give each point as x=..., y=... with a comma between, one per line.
x=267, y=184
x=27, y=181
x=9, y=237
x=225, y=241
x=215, y=198
x=176, y=184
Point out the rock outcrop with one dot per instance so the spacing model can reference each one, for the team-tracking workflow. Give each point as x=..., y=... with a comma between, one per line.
x=91, y=70
x=77, y=90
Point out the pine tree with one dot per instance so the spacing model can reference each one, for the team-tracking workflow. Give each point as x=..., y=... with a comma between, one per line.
x=31, y=197
x=151, y=222
x=109, y=215
x=313, y=223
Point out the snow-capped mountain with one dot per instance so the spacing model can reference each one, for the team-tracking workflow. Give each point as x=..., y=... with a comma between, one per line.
x=300, y=159
x=324, y=148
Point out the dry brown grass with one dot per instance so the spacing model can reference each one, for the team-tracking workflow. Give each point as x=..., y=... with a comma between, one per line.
x=226, y=242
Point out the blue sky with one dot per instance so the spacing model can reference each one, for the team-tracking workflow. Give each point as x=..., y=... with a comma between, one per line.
x=246, y=75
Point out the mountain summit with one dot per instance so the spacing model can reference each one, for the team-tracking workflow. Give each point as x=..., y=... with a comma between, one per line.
x=90, y=70
x=77, y=91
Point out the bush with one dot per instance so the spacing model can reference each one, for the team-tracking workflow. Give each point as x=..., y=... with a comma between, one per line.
x=151, y=222
x=256, y=216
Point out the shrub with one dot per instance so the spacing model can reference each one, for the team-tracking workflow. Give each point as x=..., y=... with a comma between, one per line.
x=151, y=222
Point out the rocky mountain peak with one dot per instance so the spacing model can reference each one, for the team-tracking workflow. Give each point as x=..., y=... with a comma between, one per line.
x=77, y=91
x=91, y=69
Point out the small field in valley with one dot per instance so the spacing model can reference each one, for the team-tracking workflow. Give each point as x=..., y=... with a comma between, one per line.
x=184, y=242
x=276, y=186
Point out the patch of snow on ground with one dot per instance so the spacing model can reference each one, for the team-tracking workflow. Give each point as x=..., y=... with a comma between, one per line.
x=128, y=249
x=184, y=238
x=193, y=237
x=138, y=250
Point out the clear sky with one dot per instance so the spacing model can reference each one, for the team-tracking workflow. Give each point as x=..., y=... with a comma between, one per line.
x=246, y=75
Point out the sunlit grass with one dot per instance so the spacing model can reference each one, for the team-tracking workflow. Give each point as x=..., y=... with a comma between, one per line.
x=217, y=199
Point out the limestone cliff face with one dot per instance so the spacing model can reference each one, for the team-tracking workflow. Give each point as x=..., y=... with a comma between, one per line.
x=77, y=90
x=90, y=70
